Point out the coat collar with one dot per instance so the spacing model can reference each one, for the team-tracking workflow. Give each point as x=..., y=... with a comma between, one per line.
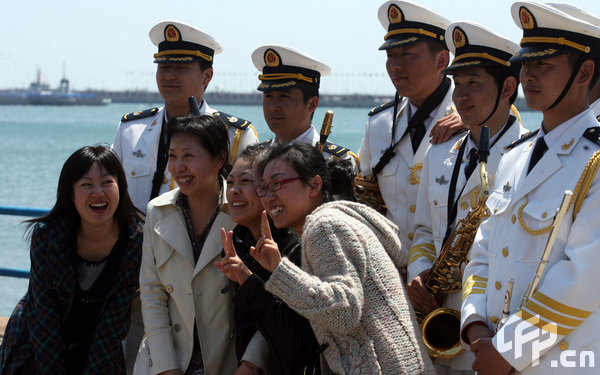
x=172, y=229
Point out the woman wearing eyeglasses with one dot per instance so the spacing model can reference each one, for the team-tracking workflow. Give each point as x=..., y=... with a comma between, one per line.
x=186, y=302
x=293, y=348
x=349, y=286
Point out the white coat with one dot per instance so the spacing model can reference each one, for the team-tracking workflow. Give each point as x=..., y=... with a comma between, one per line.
x=176, y=294
x=399, y=180
x=507, y=247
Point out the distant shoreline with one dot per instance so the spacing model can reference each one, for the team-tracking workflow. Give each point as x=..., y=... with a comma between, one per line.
x=255, y=98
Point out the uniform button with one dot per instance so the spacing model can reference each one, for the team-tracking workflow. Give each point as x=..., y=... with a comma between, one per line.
x=435, y=203
x=169, y=289
x=133, y=173
x=563, y=345
x=513, y=219
x=411, y=236
x=495, y=209
x=464, y=205
x=412, y=208
x=150, y=361
x=505, y=252
x=177, y=328
x=544, y=215
x=494, y=319
x=224, y=290
x=498, y=285
x=165, y=180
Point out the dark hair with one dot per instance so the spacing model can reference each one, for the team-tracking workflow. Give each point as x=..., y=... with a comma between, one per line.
x=435, y=46
x=576, y=58
x=208, y=130
x=76, y=166
x=252, y=151
x=500, y=75
x=306, y=160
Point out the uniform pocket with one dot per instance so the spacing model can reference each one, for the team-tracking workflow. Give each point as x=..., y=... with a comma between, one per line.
x=387, y=180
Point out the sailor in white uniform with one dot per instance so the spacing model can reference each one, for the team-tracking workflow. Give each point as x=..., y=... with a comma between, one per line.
x=184, y=68
x=290, y=82
x=393, y=147
x=558, y=325
x=485, y=87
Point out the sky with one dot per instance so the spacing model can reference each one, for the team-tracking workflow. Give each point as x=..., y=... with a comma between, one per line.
x=105, y=44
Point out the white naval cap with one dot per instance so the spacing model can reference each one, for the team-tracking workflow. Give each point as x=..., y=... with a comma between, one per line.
x=473, y=45
x=549, y=32
x=407, y=23
x=179, y=42
x=284, y=67
x=576, y=12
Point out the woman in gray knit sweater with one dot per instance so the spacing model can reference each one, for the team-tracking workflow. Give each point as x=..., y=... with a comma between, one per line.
x=349, y=286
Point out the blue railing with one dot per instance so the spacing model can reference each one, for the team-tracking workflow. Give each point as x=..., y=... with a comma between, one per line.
x=19, y=211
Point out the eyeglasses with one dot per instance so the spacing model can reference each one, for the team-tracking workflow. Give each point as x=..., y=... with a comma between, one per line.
x=274, y=186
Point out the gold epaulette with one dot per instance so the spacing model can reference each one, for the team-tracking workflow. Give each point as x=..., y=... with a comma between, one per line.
x=593, y=134
x=382, y=107
x=139, y=114
x=523, y=138
x=230, y=120
x=335, y=150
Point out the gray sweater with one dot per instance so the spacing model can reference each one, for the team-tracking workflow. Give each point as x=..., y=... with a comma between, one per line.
x=350, y=290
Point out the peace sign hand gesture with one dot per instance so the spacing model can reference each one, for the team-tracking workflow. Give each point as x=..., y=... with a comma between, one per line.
x=231, y=265
x=266, y=251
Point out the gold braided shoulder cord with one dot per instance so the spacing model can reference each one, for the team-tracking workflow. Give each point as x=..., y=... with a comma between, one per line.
x=413, y=179
x=581, y=189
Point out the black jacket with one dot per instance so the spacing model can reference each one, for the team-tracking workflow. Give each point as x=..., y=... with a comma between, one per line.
x=293, y=348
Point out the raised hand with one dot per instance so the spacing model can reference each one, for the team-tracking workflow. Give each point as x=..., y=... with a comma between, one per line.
x=266, y=252
x=231, y=265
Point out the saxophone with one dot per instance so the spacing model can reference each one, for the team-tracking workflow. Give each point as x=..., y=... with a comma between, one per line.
x=441, y=327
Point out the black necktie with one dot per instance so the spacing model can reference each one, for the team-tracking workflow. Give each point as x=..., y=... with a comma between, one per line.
x=416, y=136
x=538, y=152
x=473, y=159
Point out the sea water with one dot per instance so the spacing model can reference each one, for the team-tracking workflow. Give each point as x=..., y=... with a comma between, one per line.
x=35, y=141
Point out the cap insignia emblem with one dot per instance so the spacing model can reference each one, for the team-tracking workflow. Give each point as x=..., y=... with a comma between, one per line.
x=459, y=37
x=272, y=58
x=527, y=20
x=172, y=34
x=394, y=14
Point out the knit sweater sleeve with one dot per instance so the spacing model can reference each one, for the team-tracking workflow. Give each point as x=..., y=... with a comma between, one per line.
x=328, y=289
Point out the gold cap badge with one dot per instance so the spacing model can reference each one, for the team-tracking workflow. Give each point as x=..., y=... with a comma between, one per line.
x=527, y=20
x=394, y=14
x=459, y=37
x=272, y=58
x=172, y=34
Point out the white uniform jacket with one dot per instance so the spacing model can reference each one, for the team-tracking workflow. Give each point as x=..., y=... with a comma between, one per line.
x=508, y=245
x=175, y=294
x=399, y=180
x=136, y=145
x=431, y=218
x=595, y=106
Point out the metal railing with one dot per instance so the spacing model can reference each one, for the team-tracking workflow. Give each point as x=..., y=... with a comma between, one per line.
x=19, y=211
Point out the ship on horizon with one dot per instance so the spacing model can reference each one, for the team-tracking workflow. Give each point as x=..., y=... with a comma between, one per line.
x=40, y=93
